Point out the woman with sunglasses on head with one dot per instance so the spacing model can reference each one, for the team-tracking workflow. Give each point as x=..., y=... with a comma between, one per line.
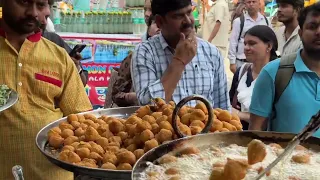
x=260, y=48
x=120, y=92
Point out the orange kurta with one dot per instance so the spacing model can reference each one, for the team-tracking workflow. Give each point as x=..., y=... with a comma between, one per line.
x=49, y=88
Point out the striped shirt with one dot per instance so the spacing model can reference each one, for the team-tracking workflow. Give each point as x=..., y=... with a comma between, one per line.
x=204, y=75
x=290, y=45
x=43, y=75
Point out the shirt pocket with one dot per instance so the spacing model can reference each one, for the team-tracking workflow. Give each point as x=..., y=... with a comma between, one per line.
x=46, y=91
x=205, y=77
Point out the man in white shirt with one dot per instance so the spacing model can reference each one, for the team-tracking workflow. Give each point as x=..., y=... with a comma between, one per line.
x=288, y=38
x=240, y=26
x=216, y=25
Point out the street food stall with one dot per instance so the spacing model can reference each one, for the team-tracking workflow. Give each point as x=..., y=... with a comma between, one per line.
x=168, y=141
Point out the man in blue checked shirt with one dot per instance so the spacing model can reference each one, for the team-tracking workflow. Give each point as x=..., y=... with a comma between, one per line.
x=175, y=63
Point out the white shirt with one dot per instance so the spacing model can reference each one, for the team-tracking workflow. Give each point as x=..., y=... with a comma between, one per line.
x=218, y=12
x=245, y=92
x=50, y=26
x=248, y=23
x=290, y=45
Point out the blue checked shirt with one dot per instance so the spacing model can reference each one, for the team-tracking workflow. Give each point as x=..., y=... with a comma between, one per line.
x=204, y=75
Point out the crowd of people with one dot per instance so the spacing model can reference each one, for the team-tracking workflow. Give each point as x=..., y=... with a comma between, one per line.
x=275, y=85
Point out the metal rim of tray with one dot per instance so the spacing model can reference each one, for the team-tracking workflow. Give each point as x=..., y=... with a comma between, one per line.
x=41, y=141
x=237, y=137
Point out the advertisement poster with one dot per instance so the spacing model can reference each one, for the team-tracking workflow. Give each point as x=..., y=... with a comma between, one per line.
x=99, y=58
x=98, y=81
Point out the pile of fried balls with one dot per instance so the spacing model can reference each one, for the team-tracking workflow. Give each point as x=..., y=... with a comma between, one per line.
x=116, y=144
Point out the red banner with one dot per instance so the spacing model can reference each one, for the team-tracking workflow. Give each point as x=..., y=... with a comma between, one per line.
x=98, y=81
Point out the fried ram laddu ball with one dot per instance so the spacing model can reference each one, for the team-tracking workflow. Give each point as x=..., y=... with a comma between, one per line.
x=256, y=151
x=69, y=156
x=235, y=169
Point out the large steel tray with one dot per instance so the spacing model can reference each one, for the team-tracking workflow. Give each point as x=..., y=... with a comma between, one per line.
x=42, y=142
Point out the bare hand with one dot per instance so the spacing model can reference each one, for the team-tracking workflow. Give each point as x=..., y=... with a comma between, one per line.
x=233, y=68
x=76, y=59
x=235, y=111
x=186, y=48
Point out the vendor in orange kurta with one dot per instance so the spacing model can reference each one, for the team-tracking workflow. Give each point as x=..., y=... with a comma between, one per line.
x=48, y=86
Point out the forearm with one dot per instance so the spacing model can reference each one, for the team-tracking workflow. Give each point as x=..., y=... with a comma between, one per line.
x=131, y=98
x=234, y=41
x=215, y=31
x=171, y=78
x=123, y=99
x=83, y=79
x=244, y=116
x=232, y=53
x=256, y=122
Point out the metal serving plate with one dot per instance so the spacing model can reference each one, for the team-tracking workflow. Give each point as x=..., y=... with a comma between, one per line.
x=13, y=99
x=240, y=138
x=42, y=141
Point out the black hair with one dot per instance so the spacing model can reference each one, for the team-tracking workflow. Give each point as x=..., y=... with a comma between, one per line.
x=315, y=9
x=162, y=7
x=151, y=19
x=297, y=4
x=50, y=2
x=267, y=35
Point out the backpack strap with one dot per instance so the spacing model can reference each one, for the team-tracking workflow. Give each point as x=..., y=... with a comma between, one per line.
x=284, y=75
x=241, y=28
x=265, y=18
x=244, y=70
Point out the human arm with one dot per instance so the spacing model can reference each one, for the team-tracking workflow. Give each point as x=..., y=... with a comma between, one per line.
x=233, y=44
x=215, y=31
x=244, y=116
x=220, y=90
x=123, y=99
x=185, y=51
x=121, y=92
x=257, y=123
x=218, y=17
x=261, y=101
x=84, y=77
x=73, y=98
x=145, y=80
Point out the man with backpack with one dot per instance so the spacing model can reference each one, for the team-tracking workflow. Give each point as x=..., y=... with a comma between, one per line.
x=240, y=26
x=287, y=35
x=287, y=91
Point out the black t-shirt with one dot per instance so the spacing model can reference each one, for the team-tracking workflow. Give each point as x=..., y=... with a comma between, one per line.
x=55, y=38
